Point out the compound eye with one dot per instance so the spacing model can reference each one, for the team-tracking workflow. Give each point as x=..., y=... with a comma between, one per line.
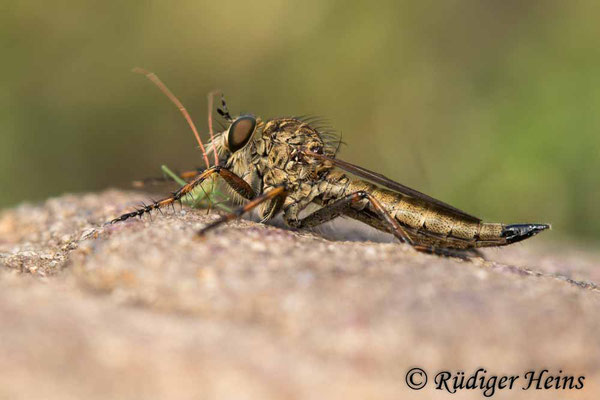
x=240, y=132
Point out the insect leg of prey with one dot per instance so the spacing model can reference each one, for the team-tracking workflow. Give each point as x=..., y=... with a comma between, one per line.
x=186, y=176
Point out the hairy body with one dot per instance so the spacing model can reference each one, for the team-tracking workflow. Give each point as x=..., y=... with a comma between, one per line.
x=286, y=164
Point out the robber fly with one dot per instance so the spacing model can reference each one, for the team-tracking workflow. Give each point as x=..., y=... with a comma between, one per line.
x=283, y=165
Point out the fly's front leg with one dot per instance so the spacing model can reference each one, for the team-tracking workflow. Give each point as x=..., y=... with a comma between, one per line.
x=239, y=185
x=341, y=206
x=275, y=193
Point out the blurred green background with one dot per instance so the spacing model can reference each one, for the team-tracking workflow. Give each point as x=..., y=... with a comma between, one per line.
x=492, y=106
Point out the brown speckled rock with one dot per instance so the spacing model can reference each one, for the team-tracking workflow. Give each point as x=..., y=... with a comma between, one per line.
x=142, y=309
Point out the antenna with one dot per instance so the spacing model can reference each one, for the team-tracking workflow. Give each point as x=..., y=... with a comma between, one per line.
x=152, y=76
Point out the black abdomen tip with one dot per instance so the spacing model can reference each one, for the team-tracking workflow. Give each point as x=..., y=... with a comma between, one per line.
x=517, y=232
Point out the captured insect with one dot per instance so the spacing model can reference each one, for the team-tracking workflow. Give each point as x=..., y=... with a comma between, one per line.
x=283, y=165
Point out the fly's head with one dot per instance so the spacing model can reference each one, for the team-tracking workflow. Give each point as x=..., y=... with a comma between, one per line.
x=236, y=144
x=274, y=148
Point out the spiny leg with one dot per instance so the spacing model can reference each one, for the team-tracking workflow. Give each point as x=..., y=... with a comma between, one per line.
x=277, y=192
x=239, y=185
x=369, y=218
x=465, y=253
x=446, y=246
x=322, y=215
x=395, y=226
x=340, y=206
x=176, y=196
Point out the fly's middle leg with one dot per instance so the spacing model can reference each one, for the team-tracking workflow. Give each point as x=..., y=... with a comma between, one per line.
x=278, y=193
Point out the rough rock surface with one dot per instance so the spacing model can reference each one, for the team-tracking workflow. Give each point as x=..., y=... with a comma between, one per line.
x=142, y=309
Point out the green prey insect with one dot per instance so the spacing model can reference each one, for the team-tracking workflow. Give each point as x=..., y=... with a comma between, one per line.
x=283, y=165
x=204, y=196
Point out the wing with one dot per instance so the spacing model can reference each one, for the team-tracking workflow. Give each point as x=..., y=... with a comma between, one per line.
x=390, y=184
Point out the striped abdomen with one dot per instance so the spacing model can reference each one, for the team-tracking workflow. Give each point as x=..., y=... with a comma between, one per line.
x=426, y=223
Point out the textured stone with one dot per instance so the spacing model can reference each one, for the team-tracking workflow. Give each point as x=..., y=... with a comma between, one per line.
x=143, y=309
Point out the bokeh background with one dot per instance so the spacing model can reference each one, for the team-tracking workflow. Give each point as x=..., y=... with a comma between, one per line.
x=491, y=106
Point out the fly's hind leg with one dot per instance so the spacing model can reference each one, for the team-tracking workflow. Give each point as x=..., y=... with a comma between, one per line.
x=239, y=185
x=342, y=206
x=383, y=220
